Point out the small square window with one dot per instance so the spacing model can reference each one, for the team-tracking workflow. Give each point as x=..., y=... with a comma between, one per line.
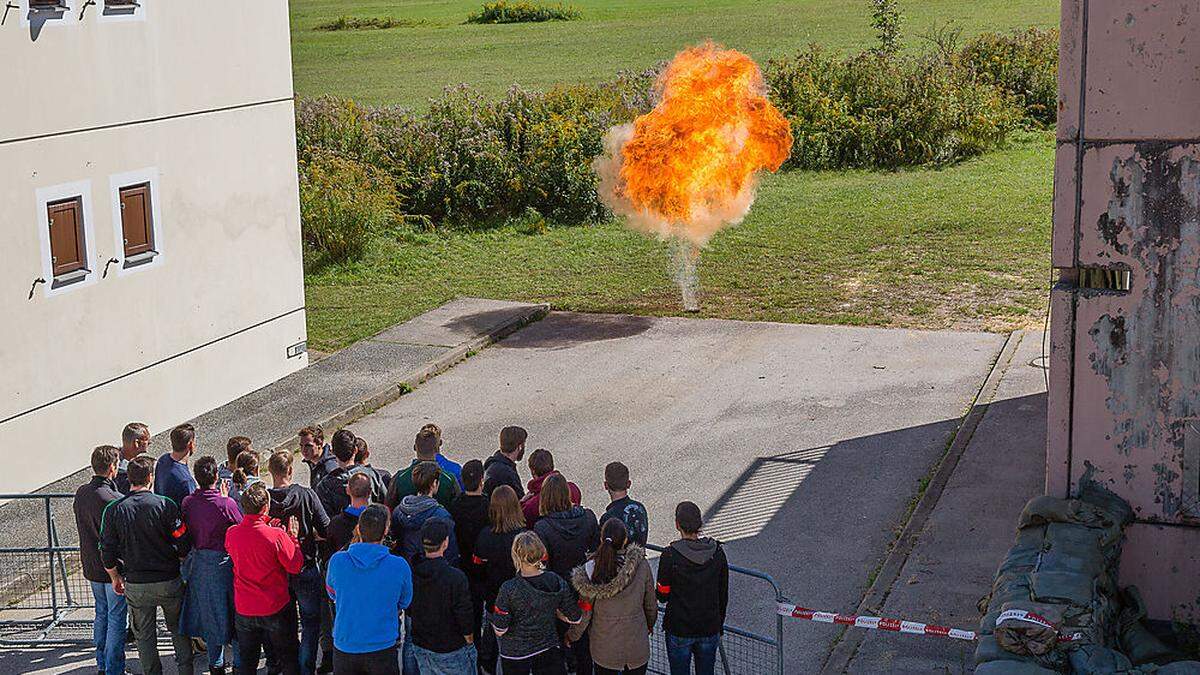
x=46, y=4
x=68, y=248
x=137, y=221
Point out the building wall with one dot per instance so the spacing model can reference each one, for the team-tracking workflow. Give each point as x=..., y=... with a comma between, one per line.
x=1125, y=356
x=196, y=99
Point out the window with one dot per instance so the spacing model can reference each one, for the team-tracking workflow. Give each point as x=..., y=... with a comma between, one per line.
x=137, y=223
x=68, y=248
x=45, y=4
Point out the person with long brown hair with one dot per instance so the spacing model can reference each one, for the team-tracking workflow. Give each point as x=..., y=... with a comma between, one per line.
x=493, y=549
x=616, y=594
x=571, y=534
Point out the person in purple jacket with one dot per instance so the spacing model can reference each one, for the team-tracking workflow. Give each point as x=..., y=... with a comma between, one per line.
x=208, y=603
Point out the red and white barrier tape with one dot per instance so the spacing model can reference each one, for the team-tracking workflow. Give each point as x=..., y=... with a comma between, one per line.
x=912, y=627
x=874, y=622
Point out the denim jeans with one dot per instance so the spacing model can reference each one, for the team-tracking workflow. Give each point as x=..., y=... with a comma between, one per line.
x=453, y=663
x=681, y=650
x=278, y=630
x=309, y=589
x=407, y=656
x=108, y=632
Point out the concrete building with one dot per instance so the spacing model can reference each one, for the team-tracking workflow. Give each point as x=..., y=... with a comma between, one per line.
x=149, y=220
x=1125, y=338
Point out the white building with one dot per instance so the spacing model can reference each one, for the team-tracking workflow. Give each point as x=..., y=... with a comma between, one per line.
x=149, y=220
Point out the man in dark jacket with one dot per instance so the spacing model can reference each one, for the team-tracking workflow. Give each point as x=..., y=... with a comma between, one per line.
x=292, y=501
x=693, y=580
x=414, y=510
x=142, y=540
x=621, y=506
x=443, y=629
x=470, y=514
x=135, y=440
x=501, y=468
x=315, y=454
x=108, y=630
x=332, y=488
x=425, y=447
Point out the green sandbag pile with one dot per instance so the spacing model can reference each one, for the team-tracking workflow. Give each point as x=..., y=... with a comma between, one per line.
x=1063, y=568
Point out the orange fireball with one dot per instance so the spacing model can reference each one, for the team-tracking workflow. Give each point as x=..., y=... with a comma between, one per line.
x=688, y=167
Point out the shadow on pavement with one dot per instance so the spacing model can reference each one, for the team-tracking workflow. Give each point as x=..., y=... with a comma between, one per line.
x=561, y=330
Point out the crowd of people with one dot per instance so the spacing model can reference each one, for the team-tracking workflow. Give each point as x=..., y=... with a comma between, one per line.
x=441, y=568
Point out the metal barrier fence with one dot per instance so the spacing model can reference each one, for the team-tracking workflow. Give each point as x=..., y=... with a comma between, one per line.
x=740, y=652
x=44, y=599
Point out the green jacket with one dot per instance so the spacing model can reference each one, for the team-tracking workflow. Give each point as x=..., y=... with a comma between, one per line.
x=402, y=486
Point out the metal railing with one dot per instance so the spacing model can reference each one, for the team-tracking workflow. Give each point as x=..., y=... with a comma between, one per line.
x=740, y=651
x=44, y=598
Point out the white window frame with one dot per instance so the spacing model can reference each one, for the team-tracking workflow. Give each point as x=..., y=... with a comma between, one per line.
x=53, y=193
x=135, y=12
x=127, y=179
x=62, y=17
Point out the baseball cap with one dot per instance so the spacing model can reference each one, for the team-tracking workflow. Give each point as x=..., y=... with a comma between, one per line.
x=434, y=531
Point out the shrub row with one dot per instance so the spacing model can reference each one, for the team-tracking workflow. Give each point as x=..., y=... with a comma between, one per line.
x=470, y=161
x=520, y=11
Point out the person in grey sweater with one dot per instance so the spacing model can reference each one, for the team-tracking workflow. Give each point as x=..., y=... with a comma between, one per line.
x=526, y=610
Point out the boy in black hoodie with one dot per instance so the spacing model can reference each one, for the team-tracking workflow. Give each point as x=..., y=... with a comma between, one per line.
x=442, y=626
x=470, y=513
x=693, y=581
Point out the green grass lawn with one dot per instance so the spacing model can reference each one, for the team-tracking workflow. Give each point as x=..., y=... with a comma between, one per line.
x=962, y=247
x=409, y=64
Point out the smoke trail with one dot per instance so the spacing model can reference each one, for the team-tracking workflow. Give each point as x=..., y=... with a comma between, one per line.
x=690, y=166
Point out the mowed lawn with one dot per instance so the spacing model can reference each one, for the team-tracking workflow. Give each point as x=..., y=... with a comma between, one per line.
x=407, y=65
x=964, y=247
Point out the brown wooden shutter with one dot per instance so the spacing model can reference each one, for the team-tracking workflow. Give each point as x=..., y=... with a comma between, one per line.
x=43, y=3
x=66, y=235
x=136, y=222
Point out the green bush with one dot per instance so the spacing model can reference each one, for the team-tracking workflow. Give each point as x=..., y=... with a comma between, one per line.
x=520, y=11
x=470, y=161
x=1022, y=63
x=343, y=203
x=886, y=19
x=875, y=110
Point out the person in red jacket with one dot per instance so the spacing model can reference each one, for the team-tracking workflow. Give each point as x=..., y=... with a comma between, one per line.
x=263, y=557
x=541, y=466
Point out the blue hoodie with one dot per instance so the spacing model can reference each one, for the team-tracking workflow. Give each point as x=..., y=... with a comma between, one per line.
x=410, y=514
x=369, y=587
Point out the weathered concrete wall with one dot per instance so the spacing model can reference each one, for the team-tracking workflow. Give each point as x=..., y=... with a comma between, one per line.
x=1125, y=367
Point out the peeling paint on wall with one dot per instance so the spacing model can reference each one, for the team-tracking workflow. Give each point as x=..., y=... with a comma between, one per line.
x=1150, y=359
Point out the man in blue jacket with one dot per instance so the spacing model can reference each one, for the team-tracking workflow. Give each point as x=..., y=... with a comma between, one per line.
x=370, y=587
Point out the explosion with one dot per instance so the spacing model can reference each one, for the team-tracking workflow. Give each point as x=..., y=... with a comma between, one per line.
x=689, y=167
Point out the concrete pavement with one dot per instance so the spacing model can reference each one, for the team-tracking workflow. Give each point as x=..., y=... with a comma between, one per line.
x=802, y=444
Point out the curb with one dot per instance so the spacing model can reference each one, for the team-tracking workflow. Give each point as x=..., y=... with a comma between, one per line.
x=410, y=381
x=848, y=641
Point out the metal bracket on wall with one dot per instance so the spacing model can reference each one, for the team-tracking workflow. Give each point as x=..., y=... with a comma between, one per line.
x=6, y=8
x=1111, y=279
x=83, y=9
x=33, y=288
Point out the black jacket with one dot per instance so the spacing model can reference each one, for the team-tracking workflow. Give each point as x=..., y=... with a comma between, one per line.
x=499, y=470
x=693, y=579
x=470, y=514
x=322, y=467
x=338, y=535
x=332, y=488
x=493, y=552
x=633, y=514
x=144, y=534
x=441, y=608
x=303, y=504
x=90, y=500
x=569, y=537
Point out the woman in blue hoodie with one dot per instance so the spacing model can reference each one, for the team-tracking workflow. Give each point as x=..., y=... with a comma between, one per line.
x=369, y=587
